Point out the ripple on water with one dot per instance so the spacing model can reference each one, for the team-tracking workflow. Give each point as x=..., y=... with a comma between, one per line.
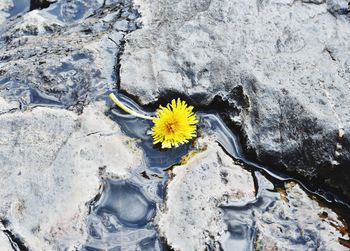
x=127, y=203
x=121, y=218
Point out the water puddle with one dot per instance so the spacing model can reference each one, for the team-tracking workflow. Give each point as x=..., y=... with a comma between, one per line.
x=122, y=217
x=19, y=7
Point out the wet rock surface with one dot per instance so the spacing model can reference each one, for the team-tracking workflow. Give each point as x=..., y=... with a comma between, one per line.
x=296, y=222
x=190, y=219
x=279, y=67
x=51, y=176
x=214, y=203
x=76, y=176
x=282, y=218
x=4, y=242
x=122, y=218
x=64, y=55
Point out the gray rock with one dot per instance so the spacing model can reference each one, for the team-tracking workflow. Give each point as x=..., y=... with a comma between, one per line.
x=50, y=161
x=281, y=69
x=4, y=242
x=213, y=202
x=190, y=217
x=64, y=55
x=296, y=222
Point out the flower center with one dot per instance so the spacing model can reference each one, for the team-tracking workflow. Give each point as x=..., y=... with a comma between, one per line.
x=171, y=126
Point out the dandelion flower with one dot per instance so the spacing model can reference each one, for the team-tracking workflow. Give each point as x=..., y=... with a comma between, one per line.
x=175, y=124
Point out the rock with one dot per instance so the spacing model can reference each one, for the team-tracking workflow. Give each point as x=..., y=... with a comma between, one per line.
x=6, y=106
x=5, y=7
x=5, y=243
x=64, y=55
x=191, y=217
x=280, y=68
x=214, y=203
x=295, y=222
x=282, y=218
x=122, y=218
x=50, y=165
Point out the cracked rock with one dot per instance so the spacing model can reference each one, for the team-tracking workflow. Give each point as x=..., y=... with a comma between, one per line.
x=288, y=59
x=296, y=222
x=50, y=160
x=64, y=55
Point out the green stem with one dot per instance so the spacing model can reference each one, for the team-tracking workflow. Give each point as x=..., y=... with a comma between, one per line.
x=127, y=109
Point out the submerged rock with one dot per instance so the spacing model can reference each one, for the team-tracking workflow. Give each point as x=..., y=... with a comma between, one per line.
x=50, y=167
x=282, y=67
x=127, y=203
x=191, y=218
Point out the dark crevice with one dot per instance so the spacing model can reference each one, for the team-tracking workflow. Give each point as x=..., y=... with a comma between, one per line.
x=118, y=63
x=16, y=242
x=39, y=4
x=316, y=186
x=330, y=54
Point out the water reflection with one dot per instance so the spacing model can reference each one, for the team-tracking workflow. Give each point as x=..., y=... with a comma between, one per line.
x=156, y=157
x=121, y=218
x=244, y=220
x=19, y=7
x=116, y=201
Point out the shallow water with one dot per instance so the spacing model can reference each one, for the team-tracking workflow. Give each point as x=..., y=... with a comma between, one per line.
x=20, y=6
x=132, y=216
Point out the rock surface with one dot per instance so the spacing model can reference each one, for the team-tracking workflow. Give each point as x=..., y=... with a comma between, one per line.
x=4, y=242
x=296, y=222
x=64, y=55
x=213, y=203
x=281, y=65
x=191, y=218
x=50, y=161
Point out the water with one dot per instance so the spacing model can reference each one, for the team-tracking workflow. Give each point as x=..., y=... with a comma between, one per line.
x=121, y=218
x=128, y=207
x=19, y=7
x=60, y=71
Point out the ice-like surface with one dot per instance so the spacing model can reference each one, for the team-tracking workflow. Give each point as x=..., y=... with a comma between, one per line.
x=282, y=217
x=122, y=217
x=126, y=202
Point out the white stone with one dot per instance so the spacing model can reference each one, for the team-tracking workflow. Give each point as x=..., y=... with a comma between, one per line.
x=50, y=160
x=5, y=243
x=284, y=67
x=191, y=216
x=294, y=217
x=6, y=106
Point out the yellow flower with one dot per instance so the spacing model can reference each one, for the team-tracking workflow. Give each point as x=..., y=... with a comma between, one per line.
x=175, y=124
